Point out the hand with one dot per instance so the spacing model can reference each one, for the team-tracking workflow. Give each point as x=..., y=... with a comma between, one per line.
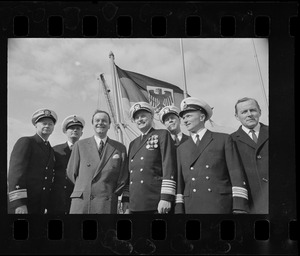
x=125, y=208
x=164, y=206
x=21, y=210
x=239, y=212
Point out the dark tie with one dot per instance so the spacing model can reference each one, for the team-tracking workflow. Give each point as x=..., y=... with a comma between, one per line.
x=101, y=146
x=177, y=142
x=197, y=140
x=46, y=143
x=254, y=137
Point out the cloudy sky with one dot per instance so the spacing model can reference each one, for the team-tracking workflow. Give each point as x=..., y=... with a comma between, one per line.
x=61, y=74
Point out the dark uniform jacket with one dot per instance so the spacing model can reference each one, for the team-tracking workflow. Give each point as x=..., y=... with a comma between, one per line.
x=31, y=173
x=62, y=187
x=98, y=182
x=210, y=177
x=152, y=166
x=183, y=139
x=255, y=159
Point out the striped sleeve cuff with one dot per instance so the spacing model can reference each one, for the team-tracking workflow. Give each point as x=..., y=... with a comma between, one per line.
x=240, y=192
x=179, y=199
x=168, y=187
x=126, y=191
x=17, y=194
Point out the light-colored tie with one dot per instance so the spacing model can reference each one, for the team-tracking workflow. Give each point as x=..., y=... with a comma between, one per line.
x=71, y=147
x=101, y=146
x=254, y=137
x=197, y=140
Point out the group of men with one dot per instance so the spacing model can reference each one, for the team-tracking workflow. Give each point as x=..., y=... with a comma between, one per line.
x=163, y=171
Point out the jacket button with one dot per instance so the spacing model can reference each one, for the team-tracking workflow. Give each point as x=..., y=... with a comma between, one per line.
x=141, y=169
x=46, y=178
x=88, y=165
x=92, y=197
x=193, y=179
x=44, y=188
x=130, y=182
x=131, y=160
x=209, y=190
x=207, y=178
x=194, y=190
x=244, y=183
x=264, y=179
x=142, y=181
x=46, y=167
x=131, y=171
x=65, y=186
x=259, y=157
x=207, y=166
x=192, y=168
x=142, y=158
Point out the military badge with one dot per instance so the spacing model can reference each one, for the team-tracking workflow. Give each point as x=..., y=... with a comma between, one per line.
x=75, y=120
x=47, y=112
x=137, y=106
x=152, y=142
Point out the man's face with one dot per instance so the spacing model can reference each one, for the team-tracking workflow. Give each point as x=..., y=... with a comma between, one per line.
x=45, y=126
x=143, y=120
x=193, y=120
x=248, y=113
x=172, y=122
x=101, y=123
x=74, y=132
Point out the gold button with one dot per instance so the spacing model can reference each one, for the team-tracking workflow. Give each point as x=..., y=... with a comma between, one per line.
x=131, y=171
x=207, y=178
x=193, y=179
x=194, y=190
x=142, y=158
x=259, y=157
x=46, y=167
x=44, y=188
x=264, y=179
x=209, y=190
x=207, y=166
x=45, y=178
x=142, y=181
x=141, y=169
x=131, y=160
x=130, y=182
x=192, y=168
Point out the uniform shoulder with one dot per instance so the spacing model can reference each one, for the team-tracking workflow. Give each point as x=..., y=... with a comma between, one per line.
x=58, y=146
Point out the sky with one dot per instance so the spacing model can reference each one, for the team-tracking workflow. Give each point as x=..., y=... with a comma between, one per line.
x=62, y=75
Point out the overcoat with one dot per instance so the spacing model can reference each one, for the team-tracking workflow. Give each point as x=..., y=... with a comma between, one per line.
x=60, y=200
x=256, y=163
x=30, y=175
x=211, y=178
x=98, y=182
x=152, y=166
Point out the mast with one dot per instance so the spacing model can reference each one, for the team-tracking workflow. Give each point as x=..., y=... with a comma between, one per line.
x=118, y=123
x=185, y=94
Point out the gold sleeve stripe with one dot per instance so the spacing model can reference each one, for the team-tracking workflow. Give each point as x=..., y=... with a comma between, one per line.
x=17, y=194
x=168, y=187
x=126, y=191
x=240, y=192
x=179, y=199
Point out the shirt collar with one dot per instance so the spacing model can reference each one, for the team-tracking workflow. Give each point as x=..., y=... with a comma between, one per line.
x=200, y=133
x=70, y=144
x=45, y=141
x=143, y=134
x=256, y=129
x=97, y=139
x=179, y=136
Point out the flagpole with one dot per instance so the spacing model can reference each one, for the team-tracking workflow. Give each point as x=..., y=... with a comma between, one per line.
x=183, y=68
x=113, y=72
x=260, y=75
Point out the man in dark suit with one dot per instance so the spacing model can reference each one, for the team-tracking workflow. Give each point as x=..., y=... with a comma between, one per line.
x=152, y=165
x=252, y=140
x=72, y=127
x=211, y=179
x=31, y=167
x=169, y=116
x=98, y=168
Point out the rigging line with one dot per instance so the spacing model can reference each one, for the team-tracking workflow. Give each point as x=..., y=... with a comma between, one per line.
x=260, y=75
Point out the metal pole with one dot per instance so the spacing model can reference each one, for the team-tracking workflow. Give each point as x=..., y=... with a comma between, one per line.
x=183, y=68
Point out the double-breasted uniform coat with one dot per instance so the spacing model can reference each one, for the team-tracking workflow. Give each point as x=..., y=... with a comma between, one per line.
x=62, y=186
x=256, y=163
x=31, y=173
x=152, y=167
x=211, y=178
x=98, y=182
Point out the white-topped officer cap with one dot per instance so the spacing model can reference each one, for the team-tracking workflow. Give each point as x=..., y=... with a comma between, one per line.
x=138, y=106
x=193, y=104
x=168, y=110
x=71, y=121
x=41, y=113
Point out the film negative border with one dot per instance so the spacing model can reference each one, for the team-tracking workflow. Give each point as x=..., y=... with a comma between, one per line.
x=173, y=234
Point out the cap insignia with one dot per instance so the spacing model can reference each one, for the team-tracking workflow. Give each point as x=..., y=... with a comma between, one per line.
x=47, y=113
x=137, y=106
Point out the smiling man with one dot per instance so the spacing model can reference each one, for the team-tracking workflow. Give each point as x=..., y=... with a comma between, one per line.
x=72, y=127
x=152, y=165
x=98, y=168
x=252, y=140
x=31, y=167
x=211, y=178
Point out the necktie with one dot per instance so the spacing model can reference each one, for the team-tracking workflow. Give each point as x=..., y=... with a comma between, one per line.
x=197, y=140
x=176, y=140
x=101, y=146
x=254, y=137
x=71, y=146
x=46, y=143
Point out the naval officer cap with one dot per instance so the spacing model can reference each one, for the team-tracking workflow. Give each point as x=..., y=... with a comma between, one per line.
x=138, y=106
x=194, y=104
x=72, y=120
x=168, y=110
x=42, y=113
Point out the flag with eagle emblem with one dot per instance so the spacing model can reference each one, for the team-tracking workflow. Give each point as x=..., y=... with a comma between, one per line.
x=137, y=87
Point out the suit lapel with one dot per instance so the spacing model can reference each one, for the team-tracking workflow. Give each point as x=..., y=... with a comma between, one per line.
x=139, y=143
x=108, y=150
x=206, y=139
x=263, y=135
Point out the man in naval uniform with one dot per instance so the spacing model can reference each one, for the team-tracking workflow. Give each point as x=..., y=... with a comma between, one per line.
x=211, y=179
x=252, y=140
x=72, y=127
x=169, y=116
x=98, y=168
x=31, y=167
x=152, y=165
